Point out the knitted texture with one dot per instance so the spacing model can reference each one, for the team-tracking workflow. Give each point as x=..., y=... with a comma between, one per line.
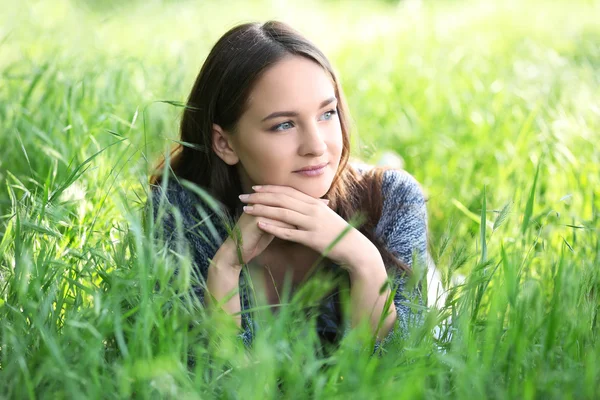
x=189, y=225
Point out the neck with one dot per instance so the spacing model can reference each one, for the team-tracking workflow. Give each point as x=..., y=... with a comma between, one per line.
x=284, y=245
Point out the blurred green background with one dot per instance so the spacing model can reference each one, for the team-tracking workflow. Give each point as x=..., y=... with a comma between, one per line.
x=471, y=94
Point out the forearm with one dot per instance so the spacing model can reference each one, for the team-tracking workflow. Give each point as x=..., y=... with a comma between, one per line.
x=366, y=280
x=222, y=280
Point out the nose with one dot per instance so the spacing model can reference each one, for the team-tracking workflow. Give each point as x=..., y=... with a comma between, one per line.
x=312, y=142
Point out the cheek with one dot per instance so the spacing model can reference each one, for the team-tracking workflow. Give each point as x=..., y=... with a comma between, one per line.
x=266, y=161
x=336, y=141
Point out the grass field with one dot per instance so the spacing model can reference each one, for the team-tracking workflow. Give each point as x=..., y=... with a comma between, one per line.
x=494, y=106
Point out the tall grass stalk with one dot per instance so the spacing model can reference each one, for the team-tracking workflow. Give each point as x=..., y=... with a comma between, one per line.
x=471, y=94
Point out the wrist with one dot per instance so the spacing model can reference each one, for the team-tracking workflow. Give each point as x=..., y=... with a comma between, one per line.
x=221, y=277
x=366, y=264
x=226, y=258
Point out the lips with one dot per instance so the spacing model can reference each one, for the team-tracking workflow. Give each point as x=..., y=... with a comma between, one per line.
x=312, y=167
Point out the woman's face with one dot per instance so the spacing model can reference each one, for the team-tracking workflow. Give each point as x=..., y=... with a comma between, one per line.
x=290, y=123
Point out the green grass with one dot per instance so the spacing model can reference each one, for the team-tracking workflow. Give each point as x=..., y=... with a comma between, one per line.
x=495, y=108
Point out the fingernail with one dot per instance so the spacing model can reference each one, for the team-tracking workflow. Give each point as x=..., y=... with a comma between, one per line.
x=257, y=187
x=244, y=196
x=248, y=208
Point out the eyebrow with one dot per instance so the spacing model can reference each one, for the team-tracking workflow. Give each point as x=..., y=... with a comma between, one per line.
x=277, y=114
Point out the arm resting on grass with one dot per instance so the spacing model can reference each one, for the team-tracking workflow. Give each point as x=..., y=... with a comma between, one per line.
x=403, y=230
x=203, y=241
x=223, y=279
x=366, y=280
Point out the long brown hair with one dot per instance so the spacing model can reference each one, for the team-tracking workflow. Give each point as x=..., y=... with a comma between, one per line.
x=219, y=96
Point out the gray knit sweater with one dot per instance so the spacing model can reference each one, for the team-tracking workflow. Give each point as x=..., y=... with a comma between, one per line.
x=186, y=220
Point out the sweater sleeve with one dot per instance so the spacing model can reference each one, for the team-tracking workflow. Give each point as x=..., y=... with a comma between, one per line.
x=403, y=229
x=185, y=226
x=188, y=226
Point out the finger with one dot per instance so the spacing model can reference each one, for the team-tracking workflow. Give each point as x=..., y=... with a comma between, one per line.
x=264, y=241
x=274, y=222
x=292, y=235
x=281, y=200
x=288, y=190
x=286, y=215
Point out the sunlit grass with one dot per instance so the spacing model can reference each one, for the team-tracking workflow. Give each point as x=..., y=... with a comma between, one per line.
x=478, y=99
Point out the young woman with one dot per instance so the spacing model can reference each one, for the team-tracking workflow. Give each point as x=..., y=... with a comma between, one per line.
x=266, y=133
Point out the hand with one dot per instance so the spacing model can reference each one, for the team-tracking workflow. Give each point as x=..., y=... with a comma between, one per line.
x=310, y=222
x=254, y=241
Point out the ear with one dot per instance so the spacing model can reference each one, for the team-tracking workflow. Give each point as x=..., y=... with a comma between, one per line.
x=222, y=145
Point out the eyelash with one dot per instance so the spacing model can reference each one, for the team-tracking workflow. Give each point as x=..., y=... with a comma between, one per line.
x=274, y=128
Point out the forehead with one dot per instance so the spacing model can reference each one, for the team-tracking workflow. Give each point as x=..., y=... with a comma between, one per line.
x=293, y=84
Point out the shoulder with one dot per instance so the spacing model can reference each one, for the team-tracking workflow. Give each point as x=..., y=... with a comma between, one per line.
x=193, y=204
x=172, y=193
x=403, y=199
x=401, y=188
x=398, y=186
x=187, y=198
x=170, y=202
x=202, y=227
x=403, y=222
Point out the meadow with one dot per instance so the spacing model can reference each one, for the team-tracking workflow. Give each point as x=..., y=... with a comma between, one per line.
x=493, y=106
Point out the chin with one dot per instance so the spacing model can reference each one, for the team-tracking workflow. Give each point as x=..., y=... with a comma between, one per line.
x=316, y=189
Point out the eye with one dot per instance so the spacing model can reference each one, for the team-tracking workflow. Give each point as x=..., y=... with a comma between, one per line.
x=327, y=115
x=283, y=126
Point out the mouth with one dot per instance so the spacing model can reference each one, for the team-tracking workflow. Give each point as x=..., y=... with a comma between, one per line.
x=313, y=167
